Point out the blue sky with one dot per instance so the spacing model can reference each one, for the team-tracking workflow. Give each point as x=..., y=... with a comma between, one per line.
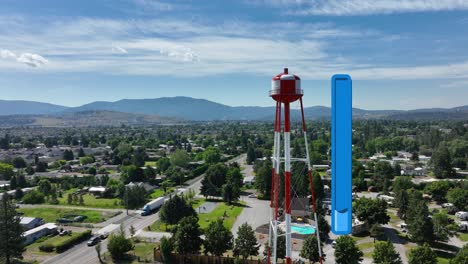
x=403, y=54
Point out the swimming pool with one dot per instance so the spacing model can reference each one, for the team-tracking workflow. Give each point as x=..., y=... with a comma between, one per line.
x=303, y=229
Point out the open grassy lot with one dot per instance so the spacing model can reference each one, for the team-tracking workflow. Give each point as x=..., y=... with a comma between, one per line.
x=33, y=249
x=52, y=214
x=150, y=163
x=223, y=211
x=160, y=192
x=463, y=237
x=142, y=253
x=92, y=201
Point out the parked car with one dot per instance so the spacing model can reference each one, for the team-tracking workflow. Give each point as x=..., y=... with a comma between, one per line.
x=65, y=232
x=103, y=236
x=80, y=218
x=252, y=196
x=447, y=205
x=333, y=244
x=93, y=241
x=462, y=215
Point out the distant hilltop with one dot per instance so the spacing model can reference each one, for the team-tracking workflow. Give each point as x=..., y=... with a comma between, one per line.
x=191, y=109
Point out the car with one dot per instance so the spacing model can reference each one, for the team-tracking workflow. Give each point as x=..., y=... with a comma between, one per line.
x=65, y=232
x=103, y=236
x=447, y=205
x=93, y=241
x=252, y=196
x=333, y=244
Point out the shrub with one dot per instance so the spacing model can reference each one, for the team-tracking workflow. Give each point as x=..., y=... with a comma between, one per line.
x=33, y=197
x=46, y=248
x=72, y=241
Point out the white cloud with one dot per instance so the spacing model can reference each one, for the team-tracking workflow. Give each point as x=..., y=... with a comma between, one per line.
x=118, y=49
x=33, y=60
x=363, y=7
x=7, y=54
x=180, y=53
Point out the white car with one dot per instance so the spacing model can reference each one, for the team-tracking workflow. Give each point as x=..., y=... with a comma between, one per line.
x=462, y=215
x=252, y=196
x=333, y=244
x=447, y=205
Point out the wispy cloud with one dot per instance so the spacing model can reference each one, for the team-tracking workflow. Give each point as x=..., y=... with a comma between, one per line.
x=33, y=60
x=118, y=49
x=363, y=7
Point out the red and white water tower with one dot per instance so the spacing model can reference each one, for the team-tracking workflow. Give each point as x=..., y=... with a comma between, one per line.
x=286, y=89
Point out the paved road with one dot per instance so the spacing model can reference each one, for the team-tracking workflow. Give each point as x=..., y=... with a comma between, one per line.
x=256, y=213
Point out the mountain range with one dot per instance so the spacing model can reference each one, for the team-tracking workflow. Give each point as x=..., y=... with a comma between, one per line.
x=166, y=109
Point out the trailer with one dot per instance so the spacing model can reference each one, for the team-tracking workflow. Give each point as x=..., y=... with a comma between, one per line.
x=152, y=206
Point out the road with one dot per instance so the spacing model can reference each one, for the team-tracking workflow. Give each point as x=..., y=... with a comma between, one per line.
x=81, y=253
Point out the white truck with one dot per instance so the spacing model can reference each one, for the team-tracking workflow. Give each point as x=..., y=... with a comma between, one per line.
x=152, y=206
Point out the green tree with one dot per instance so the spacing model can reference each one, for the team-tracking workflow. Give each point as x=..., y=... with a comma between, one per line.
x=13, y=183
x=250, y=155
x=45, y=187
x=19, y=163
x=245, y=244
x=263, y=178
x=417, y=218
x=11, y=232
x=218, y=239
x=375, y=231
x=402, y=202
x=318, y=186
x=422, y=255
x=175, y=209
x=441, y=226
x=215, y=178
x=167, y=246
x=188, y=230
x=41, y=166
x=372, y=211
x=119, y=245
x=438, y=189
x=385, y=253
x=6, y=171
x=459, y=198
x=68, y=155
x=180, y=158
x=22, y=181
x=346, y=251
x=211, y=155
x=461, y=257
x=442, y=162
x=86, y=160
x=163, y=164
x=324, y=227
x=310, y=249
x=134, y=197
x=33, y=197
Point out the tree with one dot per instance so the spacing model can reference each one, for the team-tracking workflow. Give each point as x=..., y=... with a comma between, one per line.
x=263, y=178
x=134, y=197
x=218, y=239
x=438, y=189
x=318, y=186
x=132, y=173
x=324, y=227
x=346, y=251
x=375, y=231
x=419, y=223
x=245, y=244
x=461, y=257
x=180, y=158
x=163, y=164
x=45, y=187
x=81, y=153
x=22, y=181
x=175, y=209
x=86, y=160
x=70, y=198
x=250, y=155
x=385, y=253
x=33, y=197
x=13, y=183
x=188, y=230
x=118, y=245
x=6, y=171
x=167, y=246
x=422, y=255
x=459, y=198
x=441, y=226
x=372, y=211
x=92, y=171
x=19, y=163
x=401, y=202
x=211, y=155
x=11, y=232
x=68, y=155
x=402, y=183
x=310, y=249
x=231, y=190
x=215, y=178
x=442, y=162
x=41, y=166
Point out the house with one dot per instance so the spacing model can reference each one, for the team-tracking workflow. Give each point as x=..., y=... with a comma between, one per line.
x=146, y=186
x=31, y=222
x=98, y=191
x=300, y=207
x=38, y=232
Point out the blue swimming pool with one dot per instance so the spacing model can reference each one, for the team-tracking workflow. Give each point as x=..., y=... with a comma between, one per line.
x=303, y=230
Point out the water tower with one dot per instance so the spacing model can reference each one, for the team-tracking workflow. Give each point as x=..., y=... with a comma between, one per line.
x=286, y=89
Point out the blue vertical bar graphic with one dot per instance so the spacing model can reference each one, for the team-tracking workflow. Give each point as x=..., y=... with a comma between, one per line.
x=341, y=154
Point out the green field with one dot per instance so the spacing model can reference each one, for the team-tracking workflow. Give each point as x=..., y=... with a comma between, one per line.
x=463, y=237
x=150, y=163
x=92, y=201
x=160, y=192
x=54, y=241
x=51, y=214
x=232, y=213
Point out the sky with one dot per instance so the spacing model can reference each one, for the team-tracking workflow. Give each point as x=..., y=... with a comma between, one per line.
x=404, y=54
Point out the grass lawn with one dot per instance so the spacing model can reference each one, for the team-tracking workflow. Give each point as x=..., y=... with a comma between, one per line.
x=232, y=213
x=142, y=253
x=463, y=237
x=160, y=192
x=92, y=201
x=52, y=214
x=150, y=163
x=54, y=241
x=365, y=246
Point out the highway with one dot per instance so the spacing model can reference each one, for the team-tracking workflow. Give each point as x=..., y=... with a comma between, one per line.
x=82, y=254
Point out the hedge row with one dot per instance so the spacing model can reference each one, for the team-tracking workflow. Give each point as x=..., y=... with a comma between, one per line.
x=61, y=247
x=73, y=241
